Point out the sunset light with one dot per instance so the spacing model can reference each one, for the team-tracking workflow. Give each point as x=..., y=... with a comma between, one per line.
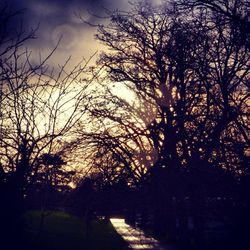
x=124, y=124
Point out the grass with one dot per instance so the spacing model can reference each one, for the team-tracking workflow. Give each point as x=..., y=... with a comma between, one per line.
x=67, y=232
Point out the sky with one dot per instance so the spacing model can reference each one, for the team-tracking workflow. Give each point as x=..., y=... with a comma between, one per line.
x=60, y=18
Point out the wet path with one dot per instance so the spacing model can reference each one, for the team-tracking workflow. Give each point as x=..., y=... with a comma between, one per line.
x=134, y=236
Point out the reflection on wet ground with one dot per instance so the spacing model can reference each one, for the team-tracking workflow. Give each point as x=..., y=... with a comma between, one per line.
x=135, y=237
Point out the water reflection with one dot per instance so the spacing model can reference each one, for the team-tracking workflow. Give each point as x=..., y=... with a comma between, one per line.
x=134, y=236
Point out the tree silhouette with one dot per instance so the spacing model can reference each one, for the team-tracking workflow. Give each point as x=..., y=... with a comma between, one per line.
x=38, y=109
x=192, y=69
x=234, y=12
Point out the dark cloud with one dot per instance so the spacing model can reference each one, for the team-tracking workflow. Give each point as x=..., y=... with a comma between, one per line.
x=58, y=11
x=57, y=19
x=55, y=12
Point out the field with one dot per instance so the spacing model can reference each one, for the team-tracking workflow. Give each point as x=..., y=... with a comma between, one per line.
x=67, y=232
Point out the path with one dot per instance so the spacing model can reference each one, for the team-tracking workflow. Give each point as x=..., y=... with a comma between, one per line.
x=135, y=237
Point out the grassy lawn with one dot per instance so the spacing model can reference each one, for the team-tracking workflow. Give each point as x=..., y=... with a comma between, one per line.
x=63, y=231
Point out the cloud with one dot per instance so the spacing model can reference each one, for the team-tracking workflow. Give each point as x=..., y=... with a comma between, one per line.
x=66, y=34
x=57, y=19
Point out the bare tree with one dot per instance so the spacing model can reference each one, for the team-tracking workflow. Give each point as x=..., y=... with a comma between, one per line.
x=234, y=12
x=193, y=73
x=119, y=147
x=39, y=107
x=40, y=110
